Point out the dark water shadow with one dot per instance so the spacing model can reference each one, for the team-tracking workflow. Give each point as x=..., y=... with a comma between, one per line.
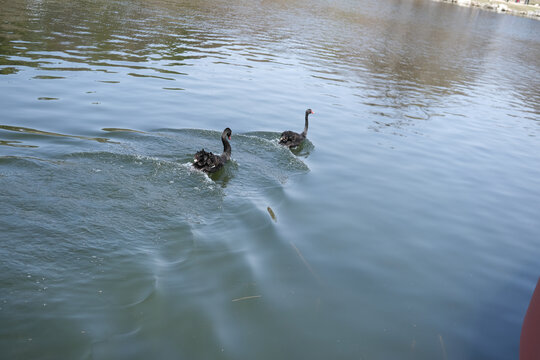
x=224, y=175
x=304, y=149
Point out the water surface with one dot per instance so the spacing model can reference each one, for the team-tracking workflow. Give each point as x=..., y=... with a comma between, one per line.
x=406, y=227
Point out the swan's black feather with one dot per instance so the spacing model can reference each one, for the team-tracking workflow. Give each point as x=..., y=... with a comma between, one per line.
x=291, y=139
x=209, y=162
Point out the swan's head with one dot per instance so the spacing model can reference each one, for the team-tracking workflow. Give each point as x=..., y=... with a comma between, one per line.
x=227, y=133
x=309, y=111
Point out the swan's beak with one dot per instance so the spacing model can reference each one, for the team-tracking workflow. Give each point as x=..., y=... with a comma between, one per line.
x=229, y=137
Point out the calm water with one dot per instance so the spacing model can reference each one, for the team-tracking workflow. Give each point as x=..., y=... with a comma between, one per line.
x=405, y=228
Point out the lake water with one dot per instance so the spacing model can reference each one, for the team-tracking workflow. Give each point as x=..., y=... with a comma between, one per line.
x=406, y=227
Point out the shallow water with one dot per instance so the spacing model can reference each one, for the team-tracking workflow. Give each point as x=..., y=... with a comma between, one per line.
x=406, y=227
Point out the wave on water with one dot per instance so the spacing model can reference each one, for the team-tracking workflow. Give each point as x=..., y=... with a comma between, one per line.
x=151, y=173
x=10, y=159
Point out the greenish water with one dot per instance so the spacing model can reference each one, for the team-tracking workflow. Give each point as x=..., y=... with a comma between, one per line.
x=406, y=227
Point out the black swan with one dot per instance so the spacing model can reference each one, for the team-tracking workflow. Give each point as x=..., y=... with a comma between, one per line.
x=292, y=139
x=208, y=162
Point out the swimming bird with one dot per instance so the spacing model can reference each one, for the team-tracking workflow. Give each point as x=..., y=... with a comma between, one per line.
x=293, y=139
x=208, y=162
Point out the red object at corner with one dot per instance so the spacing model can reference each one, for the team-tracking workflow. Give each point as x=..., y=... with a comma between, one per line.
x=529, y=344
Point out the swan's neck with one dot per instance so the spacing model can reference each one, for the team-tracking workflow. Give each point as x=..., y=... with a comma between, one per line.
x=226, y=147
x=306, y=125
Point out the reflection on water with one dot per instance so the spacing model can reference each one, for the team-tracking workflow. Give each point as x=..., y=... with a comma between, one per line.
x=407, y=63
x=15, y=144
x=407, y=220
x=118, y=129
x=47, y=133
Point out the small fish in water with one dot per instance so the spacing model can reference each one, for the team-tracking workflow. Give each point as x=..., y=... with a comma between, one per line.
x=271, y=212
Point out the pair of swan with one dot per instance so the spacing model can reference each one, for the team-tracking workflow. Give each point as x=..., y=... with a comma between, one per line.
x=210, y=163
